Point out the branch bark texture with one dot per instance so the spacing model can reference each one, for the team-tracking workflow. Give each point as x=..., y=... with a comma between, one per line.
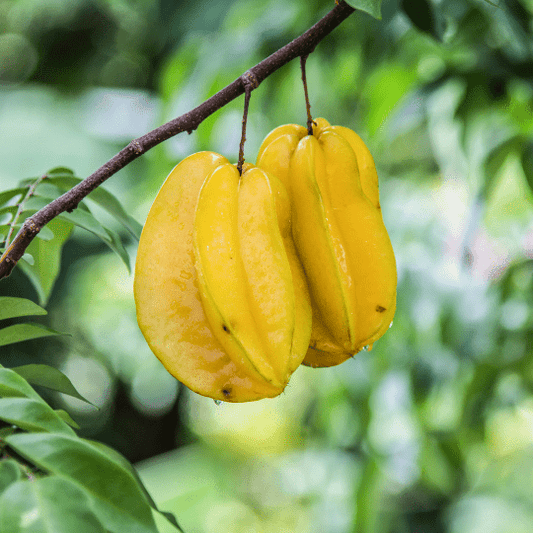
x=301, y=46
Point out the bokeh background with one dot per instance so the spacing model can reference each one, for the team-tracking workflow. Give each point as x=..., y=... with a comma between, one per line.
x=432, y=430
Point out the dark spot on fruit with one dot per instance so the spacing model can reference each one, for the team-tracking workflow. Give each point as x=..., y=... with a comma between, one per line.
x=225, y=328
x=380, y=309
x=226, y=392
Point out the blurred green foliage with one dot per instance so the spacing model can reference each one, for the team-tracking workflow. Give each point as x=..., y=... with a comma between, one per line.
x=431, y=431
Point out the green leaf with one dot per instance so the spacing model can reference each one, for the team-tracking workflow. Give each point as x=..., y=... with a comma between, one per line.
x=384, y=89
x=5, y=196
x=9, y=473
x=25, y=332
x=47, y=505
x=422, y=15
x=44, y=272
x=497, y=157
x=47, y=258
x=105, y=200
x=11, y=307
x=9, y=209
x=46, y=234
x=48, y=191
x=67, y=418
x=49, y=377
x=32, y=415
x=59, y=170
x=115, y=243
x=117, y=499
x=527, y=162
x=115, y=456
x=28, y=258
x=170, y=517
x=5, y=432
x=4, y=230
x=35, y=203
x=12, y=385
x=372, y=7
x=86, y=220
x=509, y=200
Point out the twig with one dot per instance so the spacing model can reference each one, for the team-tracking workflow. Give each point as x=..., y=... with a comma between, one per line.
x=29, y=194
x=188, y=122
x=250, y=83
x=303, y=60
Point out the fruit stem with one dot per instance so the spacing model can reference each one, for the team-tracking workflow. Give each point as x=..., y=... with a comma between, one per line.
x=310, y=122
x=250, y=83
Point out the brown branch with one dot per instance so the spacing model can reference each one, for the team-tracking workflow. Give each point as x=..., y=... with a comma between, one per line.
x=188, y=122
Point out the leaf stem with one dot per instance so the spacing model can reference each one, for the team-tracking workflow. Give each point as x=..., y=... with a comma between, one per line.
x=29, y=194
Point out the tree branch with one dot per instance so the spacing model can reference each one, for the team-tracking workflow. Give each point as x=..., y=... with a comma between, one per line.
x=301, y=46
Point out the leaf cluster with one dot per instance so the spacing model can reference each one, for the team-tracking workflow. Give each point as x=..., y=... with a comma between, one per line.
x=51, y=480
x=41, y=261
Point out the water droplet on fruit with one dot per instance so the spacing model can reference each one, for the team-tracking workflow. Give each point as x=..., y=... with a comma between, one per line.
x=365, y=348
x=390, y=325
x=218, y=402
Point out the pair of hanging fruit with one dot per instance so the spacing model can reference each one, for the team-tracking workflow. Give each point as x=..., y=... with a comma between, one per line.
x=240, y=279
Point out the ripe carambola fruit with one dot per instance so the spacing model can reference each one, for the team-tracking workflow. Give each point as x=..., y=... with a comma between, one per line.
x=339, y=234
x=220, y=293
